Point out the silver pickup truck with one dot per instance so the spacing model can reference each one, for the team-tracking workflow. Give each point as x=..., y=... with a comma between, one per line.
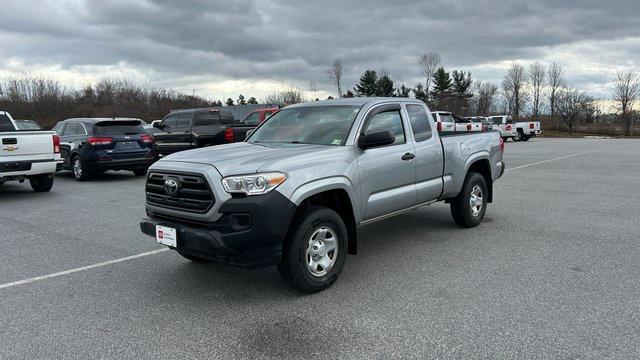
x=297, y=190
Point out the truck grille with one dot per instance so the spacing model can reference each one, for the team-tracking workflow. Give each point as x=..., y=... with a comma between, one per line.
x=193, y=194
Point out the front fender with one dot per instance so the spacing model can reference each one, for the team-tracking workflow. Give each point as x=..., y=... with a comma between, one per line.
x=314, y=187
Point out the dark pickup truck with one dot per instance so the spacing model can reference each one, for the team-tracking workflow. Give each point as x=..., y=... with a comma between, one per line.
x=195, y=128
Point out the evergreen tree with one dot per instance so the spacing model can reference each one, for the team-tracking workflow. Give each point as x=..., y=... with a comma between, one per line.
x=403, y=91
x=241, y=100
x=419, y=92
x=461, y=83
x=368, y=84
x=384, y=86
x=441, y=82
x=349, y=94
x=229, y=102
x=330, y=97
x=252, y=100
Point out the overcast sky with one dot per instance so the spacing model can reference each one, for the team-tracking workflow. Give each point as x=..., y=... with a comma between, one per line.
x=222, y=48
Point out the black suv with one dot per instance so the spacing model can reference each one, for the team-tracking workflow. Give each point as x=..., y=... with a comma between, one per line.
x=194, y=128
x=91, y=146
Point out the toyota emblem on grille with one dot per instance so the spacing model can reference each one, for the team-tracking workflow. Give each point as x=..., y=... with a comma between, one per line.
x=171, y=187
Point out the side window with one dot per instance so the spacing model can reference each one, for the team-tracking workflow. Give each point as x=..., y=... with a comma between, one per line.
x=74, y=129
x=207, y=118
x=419, y=122
x=184, y=120
x=226, y=118
x=58, y=129
x=169, y=122
x=252, y=119
x=6, y=124
x=388, y=120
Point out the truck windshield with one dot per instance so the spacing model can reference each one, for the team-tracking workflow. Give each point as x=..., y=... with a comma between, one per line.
x=321, y=125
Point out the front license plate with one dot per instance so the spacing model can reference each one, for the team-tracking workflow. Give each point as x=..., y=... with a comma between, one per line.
x=166, y=236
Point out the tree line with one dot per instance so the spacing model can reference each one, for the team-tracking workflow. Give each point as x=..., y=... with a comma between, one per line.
x=535, y=89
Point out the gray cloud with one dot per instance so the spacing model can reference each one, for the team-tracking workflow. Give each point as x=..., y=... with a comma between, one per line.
x=185, y=43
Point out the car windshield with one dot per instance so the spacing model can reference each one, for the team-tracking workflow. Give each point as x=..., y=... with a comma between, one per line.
x=321, y=125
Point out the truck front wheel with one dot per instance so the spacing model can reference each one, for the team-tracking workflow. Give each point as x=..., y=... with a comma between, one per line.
x=41, y=183
x=468, y=208
x=314, y=253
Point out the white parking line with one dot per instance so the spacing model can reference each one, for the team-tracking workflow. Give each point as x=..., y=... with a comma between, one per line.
x=88, y=267
x=554, y=159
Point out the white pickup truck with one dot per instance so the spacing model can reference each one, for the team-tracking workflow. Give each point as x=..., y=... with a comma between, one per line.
x=26, y=154
x=524, y=130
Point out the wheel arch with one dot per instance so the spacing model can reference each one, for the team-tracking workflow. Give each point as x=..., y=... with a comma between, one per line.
x=337, y=198
x=482, y=166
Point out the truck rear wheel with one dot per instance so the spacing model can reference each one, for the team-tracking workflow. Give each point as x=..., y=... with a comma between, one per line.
x=41, y=183
x=468, y=208
x=517, y=136
x=526, y=137
x=314, y=253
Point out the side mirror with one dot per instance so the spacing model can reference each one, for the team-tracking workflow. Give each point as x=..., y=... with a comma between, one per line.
x=375, y=139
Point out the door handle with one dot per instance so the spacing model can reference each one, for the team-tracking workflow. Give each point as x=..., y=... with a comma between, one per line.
x=408, y=156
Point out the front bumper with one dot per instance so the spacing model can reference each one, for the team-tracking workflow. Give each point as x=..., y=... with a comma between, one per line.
x=249, y=234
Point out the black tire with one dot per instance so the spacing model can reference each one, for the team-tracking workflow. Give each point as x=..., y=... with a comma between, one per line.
x=139, y=172
x=192, y=257
x=517, y=136
x=461, y=207
x=83, y=174
x=526, y=137
x=293, y=266
x=41, y=183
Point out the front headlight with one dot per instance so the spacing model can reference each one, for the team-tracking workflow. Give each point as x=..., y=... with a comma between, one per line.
x=254, y=184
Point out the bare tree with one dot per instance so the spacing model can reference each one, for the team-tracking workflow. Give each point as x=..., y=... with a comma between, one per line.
x=514, y=89
x=555, y=81
x=429, y=63
x=536, y=78
x=335, y=73
x=285, y=97
x=485, y=98
x=626, y=91
x=573, y=105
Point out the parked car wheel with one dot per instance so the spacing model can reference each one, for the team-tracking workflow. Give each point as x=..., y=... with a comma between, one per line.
x=78, y=169
x=526, y=137
x=468, y=208
x=41, y=183
x=139, y=172
x=517, y=136
x=192, y=257
x=313, y=255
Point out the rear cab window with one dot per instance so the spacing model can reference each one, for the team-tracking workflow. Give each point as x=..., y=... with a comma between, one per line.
x=207, y=118
x=419, y=120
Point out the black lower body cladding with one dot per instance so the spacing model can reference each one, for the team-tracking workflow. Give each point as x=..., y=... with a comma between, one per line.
x=249, y=234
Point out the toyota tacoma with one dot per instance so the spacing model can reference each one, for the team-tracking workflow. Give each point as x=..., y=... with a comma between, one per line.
x=296, y=191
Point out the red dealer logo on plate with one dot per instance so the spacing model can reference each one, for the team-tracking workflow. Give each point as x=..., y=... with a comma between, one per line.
x=160, y=234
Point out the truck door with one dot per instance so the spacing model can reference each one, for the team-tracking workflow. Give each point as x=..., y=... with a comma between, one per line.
x=429, y=156
x=388, y=172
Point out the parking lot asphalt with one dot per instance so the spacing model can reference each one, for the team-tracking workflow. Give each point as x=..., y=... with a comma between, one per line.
x=552, y=273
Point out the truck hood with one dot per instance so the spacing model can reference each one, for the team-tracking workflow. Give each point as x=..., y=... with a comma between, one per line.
x=243, y=157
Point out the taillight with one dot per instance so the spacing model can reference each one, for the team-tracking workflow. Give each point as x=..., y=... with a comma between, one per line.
x=99, y=141
x=468, y=127
x=439, y=126
x=229, y=136
x=501, y=145
x=146, y=138
x=56, y=144
x=508, y=127
x=530, y=125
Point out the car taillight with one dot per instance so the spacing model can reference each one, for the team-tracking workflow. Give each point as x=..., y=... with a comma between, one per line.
x=508, y=127
x=146, y=138
x=468, y=127
x=439, y=126
x=99, y=141
x=229, y=136
x=56, y=144
x=530, y=125
x=501, y=145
